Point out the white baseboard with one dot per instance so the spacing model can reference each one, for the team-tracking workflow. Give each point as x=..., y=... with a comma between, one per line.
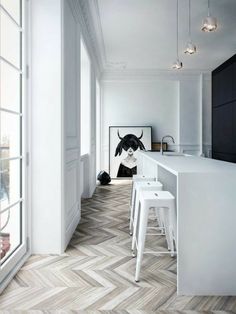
x=71, y=228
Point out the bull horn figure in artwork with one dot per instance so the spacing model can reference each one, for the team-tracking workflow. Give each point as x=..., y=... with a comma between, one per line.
x=121, y=138
x=141, y=136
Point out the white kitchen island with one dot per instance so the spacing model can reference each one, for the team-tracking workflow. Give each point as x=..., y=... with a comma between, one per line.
x=205, y=191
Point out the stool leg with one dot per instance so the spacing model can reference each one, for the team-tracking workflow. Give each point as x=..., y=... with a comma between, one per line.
x=141, y=238
x=165, y=215
x=173, y=228
x=131, y=198
x=160, y=220
x=172, y=248
x=132, y=208
x=174, y=222
x=132, y=187
x=135, y=225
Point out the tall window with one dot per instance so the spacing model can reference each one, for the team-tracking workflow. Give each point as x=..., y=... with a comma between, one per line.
x=12, y=219
x=85, y=101
x=98, y=127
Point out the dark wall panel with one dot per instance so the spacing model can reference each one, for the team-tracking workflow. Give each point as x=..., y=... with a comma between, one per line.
x=234, y=126
x=234, y=80
x=226, y=85
x=215, y=90
x=223, y=129
x=224, y=157
x=224, y=111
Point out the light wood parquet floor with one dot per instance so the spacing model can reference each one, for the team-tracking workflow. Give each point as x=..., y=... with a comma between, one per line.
x=96, y=273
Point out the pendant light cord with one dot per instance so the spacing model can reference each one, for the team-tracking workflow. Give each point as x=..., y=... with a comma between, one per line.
x=208, y=7
x=177, y=29
x=189, y=19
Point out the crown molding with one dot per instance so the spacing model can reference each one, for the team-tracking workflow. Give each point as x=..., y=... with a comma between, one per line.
x=152, y=74
x=86, y=13
x=82, y=12
x=96, y=27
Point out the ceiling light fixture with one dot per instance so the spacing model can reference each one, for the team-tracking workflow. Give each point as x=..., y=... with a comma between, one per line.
x=177, y=64
x=190, y=47
x=209, y=23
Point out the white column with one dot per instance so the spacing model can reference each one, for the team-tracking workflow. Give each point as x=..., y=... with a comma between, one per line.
x=46, y=159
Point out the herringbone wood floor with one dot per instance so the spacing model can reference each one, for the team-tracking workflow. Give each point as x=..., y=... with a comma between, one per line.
x=96, y=274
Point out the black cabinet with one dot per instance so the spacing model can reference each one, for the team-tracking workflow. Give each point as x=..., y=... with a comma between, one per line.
x=222, y=128
x=234, y=81
x=224, y=157
x=226, y=85
x=215, y=90
x=224, y=111
x=234, y=127
x=223, y=86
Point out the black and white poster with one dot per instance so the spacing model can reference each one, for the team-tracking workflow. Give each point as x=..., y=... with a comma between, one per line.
x=125, y=141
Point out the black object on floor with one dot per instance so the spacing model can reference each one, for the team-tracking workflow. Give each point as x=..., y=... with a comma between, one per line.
x=104, y=177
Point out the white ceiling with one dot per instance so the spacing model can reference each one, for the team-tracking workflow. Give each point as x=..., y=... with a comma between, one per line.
x=141, y=34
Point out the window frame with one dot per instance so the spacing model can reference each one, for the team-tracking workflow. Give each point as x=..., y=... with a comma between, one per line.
x=11, y=264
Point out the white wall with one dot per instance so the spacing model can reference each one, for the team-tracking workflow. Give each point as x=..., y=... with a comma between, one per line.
x=171, y=104
x=71, y=115
x=56, y=184
x=206, y=116
x=46, y=157
x=190, y=114
x=141, y=103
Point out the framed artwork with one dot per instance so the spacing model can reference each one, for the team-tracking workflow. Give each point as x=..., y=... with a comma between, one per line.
x=124, y=142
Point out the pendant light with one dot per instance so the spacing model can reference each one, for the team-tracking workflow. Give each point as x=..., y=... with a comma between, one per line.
x=209, y=23
x=190, y=47
x=177, y=64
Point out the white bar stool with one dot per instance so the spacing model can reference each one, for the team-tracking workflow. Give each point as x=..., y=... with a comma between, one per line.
x=141, y=177
x=138, y=178
x=161, y=200
x=137, y=187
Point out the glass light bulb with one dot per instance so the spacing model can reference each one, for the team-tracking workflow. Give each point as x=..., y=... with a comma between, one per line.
x=190, y=48
x=177, y=65
x=209, y=24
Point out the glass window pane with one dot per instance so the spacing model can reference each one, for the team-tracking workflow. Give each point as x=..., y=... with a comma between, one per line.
x=10, y=40
x=9, y=182
x=10, y=130
x=11, y=231
x=9, y=87
x=13, y=8
x=9, y=135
